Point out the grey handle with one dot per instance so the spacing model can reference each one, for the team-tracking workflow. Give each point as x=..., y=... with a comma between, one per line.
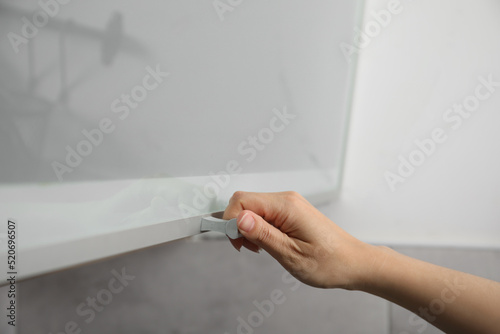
x=228, y=227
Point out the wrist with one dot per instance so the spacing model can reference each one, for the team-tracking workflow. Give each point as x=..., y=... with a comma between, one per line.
x=369, y=266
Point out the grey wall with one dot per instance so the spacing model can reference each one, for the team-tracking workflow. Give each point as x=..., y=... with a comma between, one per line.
x=204, y=286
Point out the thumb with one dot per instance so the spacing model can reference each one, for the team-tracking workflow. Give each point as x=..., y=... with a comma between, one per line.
x=258, y=231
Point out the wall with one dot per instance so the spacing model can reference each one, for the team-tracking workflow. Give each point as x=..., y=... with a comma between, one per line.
x=205, y=287
x=427, y=60
x=409, y=75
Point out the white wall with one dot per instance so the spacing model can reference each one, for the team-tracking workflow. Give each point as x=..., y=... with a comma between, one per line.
x=426, y=60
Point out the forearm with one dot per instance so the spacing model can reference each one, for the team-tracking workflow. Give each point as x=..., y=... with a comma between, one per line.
x=453, y=301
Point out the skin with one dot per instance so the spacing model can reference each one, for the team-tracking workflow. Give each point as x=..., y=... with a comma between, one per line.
x=321, y=254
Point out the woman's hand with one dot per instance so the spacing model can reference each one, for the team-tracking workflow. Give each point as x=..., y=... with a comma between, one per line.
x=319, y=253
x=306, y=243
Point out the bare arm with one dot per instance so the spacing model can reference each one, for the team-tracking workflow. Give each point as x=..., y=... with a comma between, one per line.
x=453, y=301
x=319, y=253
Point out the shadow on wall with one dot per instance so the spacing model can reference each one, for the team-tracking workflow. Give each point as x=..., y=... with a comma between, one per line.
x=28, y=117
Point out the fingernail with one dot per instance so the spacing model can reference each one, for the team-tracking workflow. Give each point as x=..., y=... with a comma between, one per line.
x=246, y=223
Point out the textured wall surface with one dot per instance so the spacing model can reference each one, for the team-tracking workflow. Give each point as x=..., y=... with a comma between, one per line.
x=205, y=287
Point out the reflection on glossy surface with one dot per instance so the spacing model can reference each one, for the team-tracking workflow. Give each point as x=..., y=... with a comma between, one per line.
x=28, y=117
x=121, y=114
x=87, y=63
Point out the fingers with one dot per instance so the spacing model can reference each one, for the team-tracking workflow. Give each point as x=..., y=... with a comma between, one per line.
x=270, y=209
x=240, y=201
x=259, y=232
x=242, y=242
x=237, y=243
x=287, y=211
x=302, y=239
x=251, y=246
x=266, y=205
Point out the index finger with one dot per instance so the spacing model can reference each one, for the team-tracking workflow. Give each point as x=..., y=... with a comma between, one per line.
x=270, y=206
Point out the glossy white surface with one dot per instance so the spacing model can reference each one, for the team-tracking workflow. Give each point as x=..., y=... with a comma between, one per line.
x=176, y=91
x=116, y=115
